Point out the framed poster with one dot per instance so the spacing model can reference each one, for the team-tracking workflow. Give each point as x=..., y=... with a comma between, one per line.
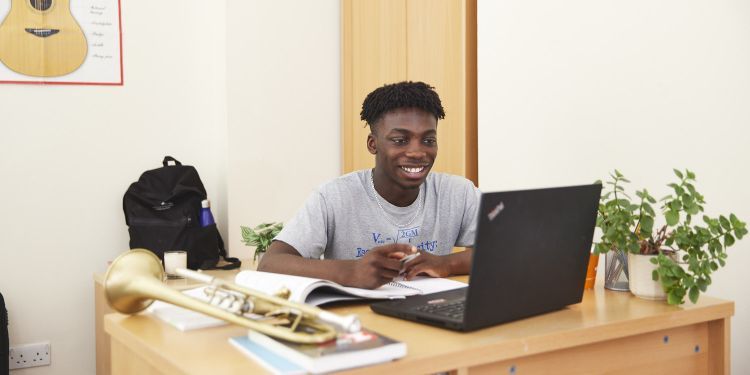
x=73, y=42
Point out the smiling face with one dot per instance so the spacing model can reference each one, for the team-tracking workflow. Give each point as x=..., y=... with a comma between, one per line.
x=404, y=142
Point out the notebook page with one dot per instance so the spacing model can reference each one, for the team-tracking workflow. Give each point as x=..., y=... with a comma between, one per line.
x=427, y=285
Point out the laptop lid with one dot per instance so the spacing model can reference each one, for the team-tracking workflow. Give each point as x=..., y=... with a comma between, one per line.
x=531, y=252
x=530, y=256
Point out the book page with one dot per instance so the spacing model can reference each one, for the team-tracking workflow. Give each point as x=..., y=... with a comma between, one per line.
x=271, y=283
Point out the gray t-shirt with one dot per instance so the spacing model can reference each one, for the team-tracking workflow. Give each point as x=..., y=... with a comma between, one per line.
x=343, y=220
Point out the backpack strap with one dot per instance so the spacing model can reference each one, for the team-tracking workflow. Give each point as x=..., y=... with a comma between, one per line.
x=233, y=262
x=168, y=158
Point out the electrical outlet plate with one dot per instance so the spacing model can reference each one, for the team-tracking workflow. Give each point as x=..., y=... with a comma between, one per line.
x=29, y=355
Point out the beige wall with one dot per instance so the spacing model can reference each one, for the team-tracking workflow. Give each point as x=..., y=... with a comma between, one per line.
x=67, y=154
x=570, y=90
x=263, y=114
x=283, y=69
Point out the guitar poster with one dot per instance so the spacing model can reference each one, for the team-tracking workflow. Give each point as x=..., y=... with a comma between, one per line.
x=74, y=42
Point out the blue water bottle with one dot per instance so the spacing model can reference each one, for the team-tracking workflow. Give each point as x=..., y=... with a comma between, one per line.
x=207, y=218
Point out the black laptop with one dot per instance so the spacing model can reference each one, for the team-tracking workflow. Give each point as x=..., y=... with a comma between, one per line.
x=530, y=256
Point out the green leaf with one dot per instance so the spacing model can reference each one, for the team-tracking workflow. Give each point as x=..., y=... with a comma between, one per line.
x=654, y=275
x=672, y=217
x=690, y=175
x=668, y=281
x=675, y=205
x=692, y=209
x=735, y=221
x=678, y=173
x=728, y=240
x=703, y=284
x=647, y=226
x=725, y=222
x=693, y=294
x=673, y=298
x=740, y=233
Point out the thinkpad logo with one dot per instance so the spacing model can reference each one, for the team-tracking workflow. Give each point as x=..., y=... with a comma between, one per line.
x=496, y=211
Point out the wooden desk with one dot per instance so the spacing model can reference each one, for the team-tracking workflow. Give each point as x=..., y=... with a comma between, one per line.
x=608, y=332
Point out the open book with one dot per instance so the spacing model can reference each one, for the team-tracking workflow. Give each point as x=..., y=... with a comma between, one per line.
x=318, y=291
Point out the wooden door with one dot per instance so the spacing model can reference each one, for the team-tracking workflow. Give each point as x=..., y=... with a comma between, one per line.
x=387, y=41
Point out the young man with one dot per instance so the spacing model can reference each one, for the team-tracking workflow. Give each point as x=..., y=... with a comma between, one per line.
x=365, y=222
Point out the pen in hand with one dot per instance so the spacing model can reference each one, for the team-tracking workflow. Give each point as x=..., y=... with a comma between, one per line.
x=405, y=260
x=409, y=257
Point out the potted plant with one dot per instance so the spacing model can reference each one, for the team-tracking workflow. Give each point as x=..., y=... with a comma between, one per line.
x=682, y=253
x=261, y=237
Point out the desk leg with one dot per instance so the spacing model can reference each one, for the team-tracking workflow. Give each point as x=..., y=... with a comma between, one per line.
x=719, y=335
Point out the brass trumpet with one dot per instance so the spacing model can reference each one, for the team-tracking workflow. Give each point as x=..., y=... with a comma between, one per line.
x=134, y=280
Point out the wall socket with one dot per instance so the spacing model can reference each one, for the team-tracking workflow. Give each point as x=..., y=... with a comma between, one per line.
x=30, y=355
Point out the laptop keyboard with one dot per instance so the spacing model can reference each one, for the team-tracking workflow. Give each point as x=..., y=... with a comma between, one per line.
x=451, y=309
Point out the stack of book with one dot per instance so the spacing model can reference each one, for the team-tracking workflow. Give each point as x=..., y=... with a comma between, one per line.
x=347, y=351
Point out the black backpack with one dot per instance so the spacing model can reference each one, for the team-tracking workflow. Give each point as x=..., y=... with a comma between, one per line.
x=162, y=211
x=4, y=341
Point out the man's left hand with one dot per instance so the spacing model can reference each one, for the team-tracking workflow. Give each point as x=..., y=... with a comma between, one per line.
x=427, y=264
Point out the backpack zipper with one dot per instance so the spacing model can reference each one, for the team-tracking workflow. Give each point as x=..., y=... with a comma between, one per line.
x=183, y=222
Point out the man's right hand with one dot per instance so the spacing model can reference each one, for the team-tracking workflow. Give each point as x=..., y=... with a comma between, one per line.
x=379, y=266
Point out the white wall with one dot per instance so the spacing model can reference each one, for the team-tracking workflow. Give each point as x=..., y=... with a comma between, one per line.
x=259, y=83
x=283, y=65
x=570, y=90
x=67, y=154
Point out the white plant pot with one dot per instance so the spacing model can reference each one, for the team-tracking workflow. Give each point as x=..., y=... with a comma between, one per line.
x=641, y=283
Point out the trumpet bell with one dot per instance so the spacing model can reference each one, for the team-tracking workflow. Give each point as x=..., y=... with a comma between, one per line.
x=136, y=264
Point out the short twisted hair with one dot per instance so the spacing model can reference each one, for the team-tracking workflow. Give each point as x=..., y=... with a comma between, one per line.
x=405, y=94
